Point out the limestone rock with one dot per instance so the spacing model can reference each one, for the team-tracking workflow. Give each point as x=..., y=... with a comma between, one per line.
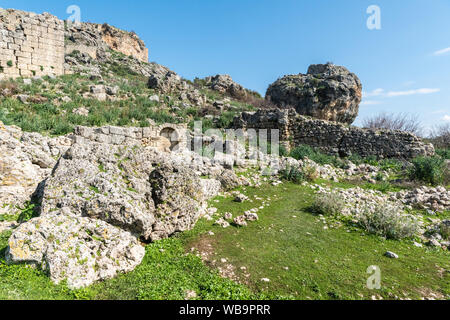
x=134, y=188
x=77, y=249
x=210, y=187
x=167, y=81
x=224, y=84
x=229, y=180
x=326, y=92
x=176, y=197
x=391, y=255
x=26, y=159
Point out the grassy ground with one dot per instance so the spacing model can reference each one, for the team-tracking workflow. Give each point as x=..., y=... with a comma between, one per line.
x=288, y=245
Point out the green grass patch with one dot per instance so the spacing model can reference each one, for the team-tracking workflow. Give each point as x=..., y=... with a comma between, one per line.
x=322, y=263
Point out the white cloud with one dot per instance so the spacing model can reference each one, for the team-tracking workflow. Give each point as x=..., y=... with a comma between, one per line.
x=370, y=102
x=374, y=93
x=412, y=92
x=440, y=111
x=446, y=117
x=441, y=52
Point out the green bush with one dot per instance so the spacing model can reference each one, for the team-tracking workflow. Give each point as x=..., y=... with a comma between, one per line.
x=330, y=204
x=292, y=174
x=388, y=221
x=428, y=169
x=303, y=151
x=9, y=63
x=444, y=153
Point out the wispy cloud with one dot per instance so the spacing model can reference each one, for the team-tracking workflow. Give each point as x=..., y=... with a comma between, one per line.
x=412, y=92
x=446, y=117
x=441, y=52
x=382, y=93
x=374, y=93
x=440, y=111
x=370, y=102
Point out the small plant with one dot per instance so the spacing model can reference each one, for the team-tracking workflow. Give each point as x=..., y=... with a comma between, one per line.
x=208, y=152
x=9, y=63
x=2, y=69
x=330, y=204
x=444, y=153
x=445, y=230
x=428, y=169
x=387, y=220
x=384, y=186
x=27, y=213
x=292, y=174
x=310, y=172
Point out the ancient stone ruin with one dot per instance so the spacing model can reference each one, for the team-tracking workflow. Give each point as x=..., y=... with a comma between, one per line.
x=36, y=44
x=335, y=138
x=30, y=44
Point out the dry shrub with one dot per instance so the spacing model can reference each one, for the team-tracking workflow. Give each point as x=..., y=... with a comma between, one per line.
x=401, y=121
x=440, y=136
x=330, y=204
x=387, y=220
x=8, y=88
x=311, y=173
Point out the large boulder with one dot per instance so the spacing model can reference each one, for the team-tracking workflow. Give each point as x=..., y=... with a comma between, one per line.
x=77, y=249
x=327, y=92
x=135, y=188
x=177, y=199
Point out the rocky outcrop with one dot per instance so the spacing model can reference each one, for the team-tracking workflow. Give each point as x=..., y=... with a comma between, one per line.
x=167, y=81
x=26, y=159
x=326, y=92
x=77, y=249
x=335, y=138
x=96, y=39
x=225, y=85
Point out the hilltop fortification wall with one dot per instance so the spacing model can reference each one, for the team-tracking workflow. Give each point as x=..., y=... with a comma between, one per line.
x=30, y=44
x=36, y=44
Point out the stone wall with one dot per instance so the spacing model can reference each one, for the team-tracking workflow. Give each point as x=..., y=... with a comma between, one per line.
x=30, y=44
x=335, y=138
x=36, y=44
x=166, y=137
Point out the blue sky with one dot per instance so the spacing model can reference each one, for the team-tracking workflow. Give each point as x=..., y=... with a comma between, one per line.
x=404, y=67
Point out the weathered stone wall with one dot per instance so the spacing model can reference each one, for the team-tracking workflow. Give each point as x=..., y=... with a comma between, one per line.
x=335, y=138
x=36, y=44
x=167, y=136
x=30, y=44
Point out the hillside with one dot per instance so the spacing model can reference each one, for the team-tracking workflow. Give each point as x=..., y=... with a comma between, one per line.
x=109, y=190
